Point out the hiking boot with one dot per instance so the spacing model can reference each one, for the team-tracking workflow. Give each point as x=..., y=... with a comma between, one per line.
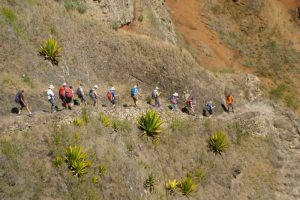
x=30, y=115
x=20, y=112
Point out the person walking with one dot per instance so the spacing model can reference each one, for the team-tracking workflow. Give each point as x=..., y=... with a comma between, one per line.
x=173, y=101
x=19, y=98
x=190, y=104
x=69, y=94
x=51, y=98
x=111, y=96
x=93, y=94
x=62, y=94
x=134, y=92
x=81, y=95
x=229, y=102
x=209, y=108
x=155, y=96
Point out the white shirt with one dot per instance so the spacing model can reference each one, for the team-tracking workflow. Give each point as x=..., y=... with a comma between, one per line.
x=50, y=94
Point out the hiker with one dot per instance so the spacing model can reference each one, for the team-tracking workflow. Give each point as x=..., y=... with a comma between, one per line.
x=80, y=94
x=155, y=95
x=51, y=99
x=190, y=104
x=93, y=94
x=69, y=94
x=209, y=108
x=229, y=102
x=62, y=94
x=173, y=101
x=21, y=100
x=111, y=96
x=134, y=92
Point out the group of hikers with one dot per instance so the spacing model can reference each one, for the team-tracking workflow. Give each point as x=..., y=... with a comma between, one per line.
x=67, y=97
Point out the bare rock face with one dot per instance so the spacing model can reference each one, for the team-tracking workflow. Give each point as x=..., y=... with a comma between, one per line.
x=120, y=11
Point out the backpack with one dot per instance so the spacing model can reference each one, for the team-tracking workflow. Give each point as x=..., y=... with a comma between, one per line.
x=173, y=99
x=61, y=92
x=209, y=107
x=133, y=91
x=109, y=95
x=69, y=93
x=78, y=92
x=17, y=97
x=188, y=102
x=91, y=93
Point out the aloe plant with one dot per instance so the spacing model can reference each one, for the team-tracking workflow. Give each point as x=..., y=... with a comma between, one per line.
x=218, y=142
x=187, y=186
x=171, y=185
x=76, y=160
x=150, y=123
x=50, y=50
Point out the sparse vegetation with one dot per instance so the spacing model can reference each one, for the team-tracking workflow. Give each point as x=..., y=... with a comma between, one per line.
x=26, y=79
x=150, y=182
x=141, y=18
x=178, y=124
x=78, y=5
x=121, y=125
x=58, y=161
x=9, y=15
x=101, y=169
x=278, y=92
x=150, y=123
x=218, y=142
x=78, y=121
x=115, y=25
x=105, y=120
x=50, y=50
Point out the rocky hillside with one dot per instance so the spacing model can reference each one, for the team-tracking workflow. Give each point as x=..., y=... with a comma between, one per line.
x=122, y=43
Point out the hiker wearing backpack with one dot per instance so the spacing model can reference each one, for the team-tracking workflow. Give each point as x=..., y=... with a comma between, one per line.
x=134, y=93
x=173, y=100
x=229, y=102
x=62, y=94
x=209, y=108
x=93, y=94
x=19, y=98
x=155, y=95
x=80, y=94
x=111, y=96
x=51, y=98
x=69, y=97
x=190, y=104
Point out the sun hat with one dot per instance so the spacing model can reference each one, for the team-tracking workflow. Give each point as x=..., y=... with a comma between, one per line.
x=95, y=86
x=135, y=86
x=51, y=87
x=112, y=88
x=175, y=94
x=157, y=88
x=64, y=84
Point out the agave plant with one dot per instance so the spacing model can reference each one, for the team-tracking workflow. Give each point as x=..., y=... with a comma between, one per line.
x=150, y=123
x=171, y=185
x=187, y=186
x=150, y=182
x=218, y=142
x=80, y=167
x=76, y=160
x=50, y=50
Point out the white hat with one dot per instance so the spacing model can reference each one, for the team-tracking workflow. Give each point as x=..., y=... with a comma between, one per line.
x=157, y=88
x=64, y=84
x=175, y=94
x=95, y=86
x=51, y=87
x=112, y=88
x=135, y=86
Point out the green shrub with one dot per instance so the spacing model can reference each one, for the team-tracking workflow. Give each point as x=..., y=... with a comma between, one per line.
x=58, y=161
x=278, y=92
x=187, y=186
x=76, y=5
x=141, y=18
x=178, y=124
x=115, y=25
x=218, y=142
x=150, y=123
x=121, y=125
x=105, y=120
x=171, y=186
x=101, y=169
x=50, y=50
x=199, y=173
x=76, y=160
x=291, y=102
x=95, y=179
x=78, y=121
x=9, y=15
x=150, y=182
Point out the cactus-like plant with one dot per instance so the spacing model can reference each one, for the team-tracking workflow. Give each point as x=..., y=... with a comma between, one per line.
x=218, y=142
x=187, y=186
x=50, y=50
x=171, y=185
x=150, y=123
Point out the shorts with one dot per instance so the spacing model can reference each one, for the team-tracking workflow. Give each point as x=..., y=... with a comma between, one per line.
x=22, y=104
x=135, y=98
x=68, y=100
x=113, y=102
